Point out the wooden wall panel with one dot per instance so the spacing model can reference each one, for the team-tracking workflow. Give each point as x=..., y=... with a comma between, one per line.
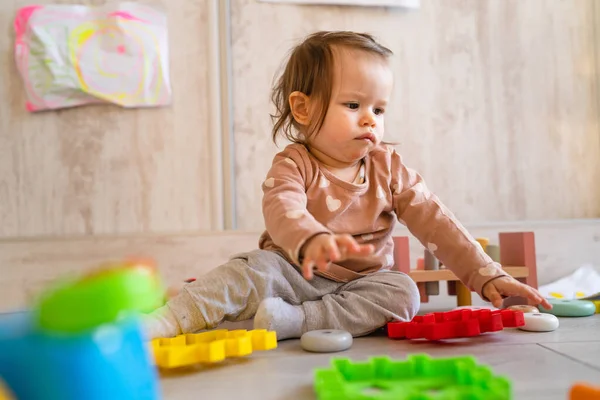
x=107, y=170
x=495, y=101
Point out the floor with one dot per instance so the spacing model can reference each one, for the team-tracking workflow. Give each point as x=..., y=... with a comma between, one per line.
x=540, y=365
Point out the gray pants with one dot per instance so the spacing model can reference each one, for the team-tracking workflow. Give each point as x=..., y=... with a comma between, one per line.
x=233, y=291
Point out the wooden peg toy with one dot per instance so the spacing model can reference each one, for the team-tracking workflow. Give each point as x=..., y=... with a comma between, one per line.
x=431, y=264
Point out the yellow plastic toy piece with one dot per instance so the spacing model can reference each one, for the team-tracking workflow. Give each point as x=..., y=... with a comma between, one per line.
x=4, y=395
x=597, y=303
x=483, y=242
x=210, y=347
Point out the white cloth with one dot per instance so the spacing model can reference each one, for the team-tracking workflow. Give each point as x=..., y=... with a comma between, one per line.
x=583, y=283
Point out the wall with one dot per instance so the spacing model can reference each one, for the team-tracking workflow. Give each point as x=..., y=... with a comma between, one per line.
x=495, y=101
x=105, y=170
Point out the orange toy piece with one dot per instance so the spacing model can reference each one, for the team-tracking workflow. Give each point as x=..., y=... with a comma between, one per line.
x=583, y=391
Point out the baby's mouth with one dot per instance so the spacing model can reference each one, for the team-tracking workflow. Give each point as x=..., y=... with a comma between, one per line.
x=367, y=136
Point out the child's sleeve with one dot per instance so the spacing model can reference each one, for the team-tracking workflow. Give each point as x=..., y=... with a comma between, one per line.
x=287, y=219
x=438, y=229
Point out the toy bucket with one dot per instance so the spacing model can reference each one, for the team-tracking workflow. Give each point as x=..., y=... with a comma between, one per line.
x=111, y=361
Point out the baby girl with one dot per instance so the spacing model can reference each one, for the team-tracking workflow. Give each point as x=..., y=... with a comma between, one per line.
x=331, y=199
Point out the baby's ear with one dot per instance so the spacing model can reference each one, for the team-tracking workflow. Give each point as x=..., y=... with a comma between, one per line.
x=299, y=104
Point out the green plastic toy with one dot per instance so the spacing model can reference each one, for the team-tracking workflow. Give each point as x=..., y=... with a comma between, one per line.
x=100, y=297
x=570, y=308
x=420, y=377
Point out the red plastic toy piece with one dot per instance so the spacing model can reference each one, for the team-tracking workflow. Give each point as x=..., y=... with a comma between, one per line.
x=512, y=318
x=455, y=324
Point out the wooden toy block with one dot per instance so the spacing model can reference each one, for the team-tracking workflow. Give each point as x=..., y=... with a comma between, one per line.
x=422, y=285
x=447, y=275
x=431, y=264
x=401, y=254
x=516, y=254
x=493, y=251
x=451, y=288
x=483, y=242
x=518, y=248
x=463, y=295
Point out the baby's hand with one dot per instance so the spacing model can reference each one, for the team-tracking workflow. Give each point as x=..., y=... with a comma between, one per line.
x=509, y=286
x=325, y=248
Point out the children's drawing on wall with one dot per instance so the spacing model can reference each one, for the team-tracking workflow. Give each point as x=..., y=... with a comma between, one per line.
x=71, y=55
x=372, y=3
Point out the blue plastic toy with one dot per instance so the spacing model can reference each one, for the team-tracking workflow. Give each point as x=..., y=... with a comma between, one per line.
x=82, y=340
x=109, y=362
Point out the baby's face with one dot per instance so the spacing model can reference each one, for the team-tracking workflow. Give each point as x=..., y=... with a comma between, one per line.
x=354, y=124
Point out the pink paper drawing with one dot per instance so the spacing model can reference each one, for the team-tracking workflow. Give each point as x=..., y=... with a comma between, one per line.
x=71, y=55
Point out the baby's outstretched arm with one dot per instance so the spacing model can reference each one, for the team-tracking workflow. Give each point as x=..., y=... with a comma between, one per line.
x=436, y=227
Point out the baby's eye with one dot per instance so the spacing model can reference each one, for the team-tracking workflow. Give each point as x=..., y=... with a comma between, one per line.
x=352, y=106
x=378, y=111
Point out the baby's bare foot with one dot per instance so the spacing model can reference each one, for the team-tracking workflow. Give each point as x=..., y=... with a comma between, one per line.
x=160, y=323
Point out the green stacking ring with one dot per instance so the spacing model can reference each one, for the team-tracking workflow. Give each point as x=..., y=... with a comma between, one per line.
x=99, y=297
x=570, y=308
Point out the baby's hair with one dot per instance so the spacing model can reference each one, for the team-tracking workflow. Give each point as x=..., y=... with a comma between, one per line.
x=309, y=70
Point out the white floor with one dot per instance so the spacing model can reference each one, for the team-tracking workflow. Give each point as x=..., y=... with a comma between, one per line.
x=540, y=365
